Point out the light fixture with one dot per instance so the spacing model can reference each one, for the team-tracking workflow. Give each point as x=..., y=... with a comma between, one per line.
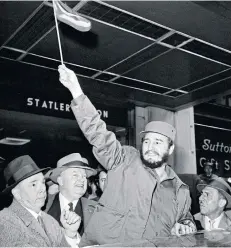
x=14, y=141
x=2, y=159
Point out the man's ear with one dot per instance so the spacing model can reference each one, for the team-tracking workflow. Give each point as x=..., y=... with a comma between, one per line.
x=222, y=203
x=16, y=193
x=171, y=149
x=60, y=181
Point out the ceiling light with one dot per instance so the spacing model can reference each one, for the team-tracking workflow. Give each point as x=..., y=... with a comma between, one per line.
x=2, y=159
x=14, y=141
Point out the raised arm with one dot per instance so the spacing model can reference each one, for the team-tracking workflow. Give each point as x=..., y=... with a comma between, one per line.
x=106, y=148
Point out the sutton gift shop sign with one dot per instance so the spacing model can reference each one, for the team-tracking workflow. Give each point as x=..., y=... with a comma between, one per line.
x=213, y=145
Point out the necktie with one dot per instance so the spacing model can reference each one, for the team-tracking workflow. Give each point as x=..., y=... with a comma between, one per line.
x=40, y=220
x=71, y=206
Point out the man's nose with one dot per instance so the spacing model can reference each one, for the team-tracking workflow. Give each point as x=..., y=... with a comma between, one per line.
x=43, y=188
x=151, y=146
x=201, y=198
x=81, y=178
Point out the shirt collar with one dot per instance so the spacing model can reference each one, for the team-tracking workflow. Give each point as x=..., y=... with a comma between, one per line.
x=64, y=202
x=217, y=220
x=36, y=215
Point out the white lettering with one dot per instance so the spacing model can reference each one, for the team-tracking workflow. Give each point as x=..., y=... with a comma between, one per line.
x=37, y=101
x=67, y=107
x=55, y=106
x=226, y=149
x=44, y=104
x=105, y=114
x=58, y=106
x=218, y=147
x=50, y=102
x=227, y=165
x=222, y=146
x=206, y=144
x=29, y=101
x=212, y=161
x=202, y=160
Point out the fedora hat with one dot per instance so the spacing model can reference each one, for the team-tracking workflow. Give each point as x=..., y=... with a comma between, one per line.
x=19, y=169
x=221, y=185
x=160, y=127
x=73, y=160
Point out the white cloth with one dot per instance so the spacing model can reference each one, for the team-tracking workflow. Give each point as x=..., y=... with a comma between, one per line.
x=213, y=224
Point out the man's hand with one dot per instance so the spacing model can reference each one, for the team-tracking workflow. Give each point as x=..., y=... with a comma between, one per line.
x=71, y=222
x=187, y=227
x=68, y=78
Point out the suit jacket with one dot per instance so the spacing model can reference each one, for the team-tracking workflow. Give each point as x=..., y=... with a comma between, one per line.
x=18, y=228
x=84, y=209
x=225, y=222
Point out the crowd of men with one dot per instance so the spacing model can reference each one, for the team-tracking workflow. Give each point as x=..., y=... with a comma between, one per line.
x=141, y=199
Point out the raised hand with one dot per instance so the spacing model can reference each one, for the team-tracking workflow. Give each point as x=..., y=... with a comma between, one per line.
x=68, y=78
x=71, y=222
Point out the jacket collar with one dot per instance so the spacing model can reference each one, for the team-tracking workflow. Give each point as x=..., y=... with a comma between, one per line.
x=21, y=212
x=172, y=175
x=28, y=219
x=225, y=221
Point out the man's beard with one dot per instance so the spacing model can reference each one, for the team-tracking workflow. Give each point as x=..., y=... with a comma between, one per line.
x=157, y=164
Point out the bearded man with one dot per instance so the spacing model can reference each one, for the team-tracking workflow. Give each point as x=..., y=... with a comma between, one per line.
x=144, y=198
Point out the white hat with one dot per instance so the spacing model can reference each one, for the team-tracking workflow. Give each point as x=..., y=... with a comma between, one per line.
x=73, y=160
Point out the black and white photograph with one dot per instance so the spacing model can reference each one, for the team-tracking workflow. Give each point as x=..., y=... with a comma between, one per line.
x=115, y=123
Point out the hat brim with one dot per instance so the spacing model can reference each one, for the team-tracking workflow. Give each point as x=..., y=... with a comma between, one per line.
x=10, y=187
x=201, y=186
x=144, y=132
x=57, y=171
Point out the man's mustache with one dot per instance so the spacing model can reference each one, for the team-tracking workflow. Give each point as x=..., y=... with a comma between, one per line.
x=153, y=152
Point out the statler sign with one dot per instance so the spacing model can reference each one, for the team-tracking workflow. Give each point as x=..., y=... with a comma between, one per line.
x=57, y=106
x=213, y=145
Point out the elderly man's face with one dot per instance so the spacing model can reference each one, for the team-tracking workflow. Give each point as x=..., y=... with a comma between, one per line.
x=209, y=201
x=31, y=192
x=102, y=179
x=74, y=182
x=155, y=149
